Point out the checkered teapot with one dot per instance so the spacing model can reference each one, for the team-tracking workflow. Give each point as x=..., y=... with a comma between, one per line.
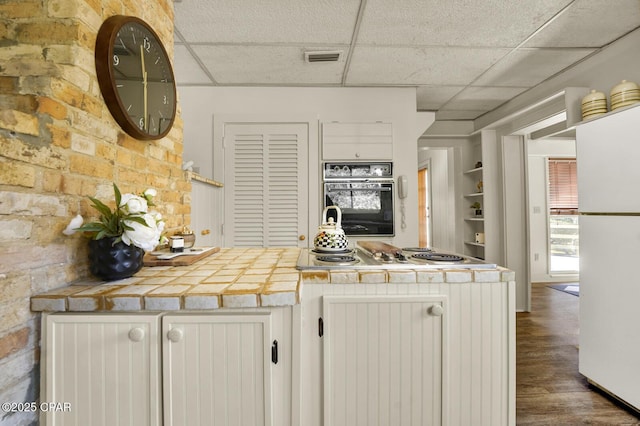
x=330, y=236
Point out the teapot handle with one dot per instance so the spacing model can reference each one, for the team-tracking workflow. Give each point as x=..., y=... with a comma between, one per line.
x=338, y=219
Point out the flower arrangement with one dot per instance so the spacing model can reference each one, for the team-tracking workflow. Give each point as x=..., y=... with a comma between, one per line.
x=130, y=221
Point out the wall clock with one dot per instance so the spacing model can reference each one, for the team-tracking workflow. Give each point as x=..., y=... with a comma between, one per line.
x=135, y=77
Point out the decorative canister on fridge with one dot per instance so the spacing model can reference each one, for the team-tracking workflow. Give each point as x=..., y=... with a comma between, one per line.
x=330, y=236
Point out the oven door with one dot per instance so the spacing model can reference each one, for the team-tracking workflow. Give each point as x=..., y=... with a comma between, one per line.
x=367, y=206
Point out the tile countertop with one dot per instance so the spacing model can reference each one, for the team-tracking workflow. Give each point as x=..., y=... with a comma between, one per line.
x=232, y=278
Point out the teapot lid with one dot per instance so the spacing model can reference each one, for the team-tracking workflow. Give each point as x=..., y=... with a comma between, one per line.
x=329, y=224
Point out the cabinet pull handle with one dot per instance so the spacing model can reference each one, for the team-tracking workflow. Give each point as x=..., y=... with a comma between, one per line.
x=274, y=352
x=136, y=334
x=320, y=327
x=436, y=310
x=175, y=335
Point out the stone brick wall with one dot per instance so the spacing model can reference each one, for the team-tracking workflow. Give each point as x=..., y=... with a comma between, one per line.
x=58, y=145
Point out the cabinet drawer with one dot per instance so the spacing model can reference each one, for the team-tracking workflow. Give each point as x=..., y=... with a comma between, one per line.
x=354, y=141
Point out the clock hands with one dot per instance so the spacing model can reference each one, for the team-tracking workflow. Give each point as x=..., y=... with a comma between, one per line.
x=144, y=87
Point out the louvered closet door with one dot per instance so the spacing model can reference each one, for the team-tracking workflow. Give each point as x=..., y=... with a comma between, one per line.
x=266, y=184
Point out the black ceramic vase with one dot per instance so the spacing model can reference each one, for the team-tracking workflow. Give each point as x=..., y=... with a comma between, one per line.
x=114, y=261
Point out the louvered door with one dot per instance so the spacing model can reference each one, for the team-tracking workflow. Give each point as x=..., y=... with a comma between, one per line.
x=266, y=184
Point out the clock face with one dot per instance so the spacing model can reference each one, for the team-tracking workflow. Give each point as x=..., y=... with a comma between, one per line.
x=135, y=77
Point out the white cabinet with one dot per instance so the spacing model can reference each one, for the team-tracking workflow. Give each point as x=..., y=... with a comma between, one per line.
x=383, y=358
x=607, y=153
x=216, y=369
x=107, y=367
x=383, y=336
x=357, y=141
x=226, y=368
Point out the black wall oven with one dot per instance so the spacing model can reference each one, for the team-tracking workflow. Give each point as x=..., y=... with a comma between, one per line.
x=364, y=193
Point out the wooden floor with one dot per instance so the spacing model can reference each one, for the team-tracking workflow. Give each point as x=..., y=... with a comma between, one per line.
x=549, y=389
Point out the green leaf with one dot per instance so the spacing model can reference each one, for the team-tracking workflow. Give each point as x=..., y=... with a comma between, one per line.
x=138, y=219
x=101, y=207
x=118, y=195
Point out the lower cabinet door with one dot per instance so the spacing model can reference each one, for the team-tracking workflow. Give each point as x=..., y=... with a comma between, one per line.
x=105, y=367
x=383, y=360
x=216, y=369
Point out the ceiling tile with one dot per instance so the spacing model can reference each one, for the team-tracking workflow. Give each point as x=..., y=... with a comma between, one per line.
x=458, y=115
x=496, y=23
x=528, y=67
x=431, y=98
x=268, y=65
x=419, y=66
x=282, y=21
x=186, y=69
x=590, y=23
x=482, y=98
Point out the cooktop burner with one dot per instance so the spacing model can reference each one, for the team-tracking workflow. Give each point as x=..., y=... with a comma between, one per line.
x=332, y=252
x=418, y=249
x=438, y=257
x=336, y=259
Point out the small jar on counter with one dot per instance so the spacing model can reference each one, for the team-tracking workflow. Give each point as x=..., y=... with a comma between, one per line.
x=176, y=244
x=188, y=236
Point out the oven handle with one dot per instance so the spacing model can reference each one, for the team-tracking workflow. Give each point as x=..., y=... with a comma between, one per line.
x=358, y=180
x=328, y=188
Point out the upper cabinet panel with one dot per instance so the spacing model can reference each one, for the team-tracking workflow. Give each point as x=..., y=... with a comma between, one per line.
x=357, y=141
x=608, y=149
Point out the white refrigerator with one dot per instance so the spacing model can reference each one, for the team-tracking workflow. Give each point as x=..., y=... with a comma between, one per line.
x=608, y=160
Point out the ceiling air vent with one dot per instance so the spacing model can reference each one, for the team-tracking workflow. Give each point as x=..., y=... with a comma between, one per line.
x=325, y=56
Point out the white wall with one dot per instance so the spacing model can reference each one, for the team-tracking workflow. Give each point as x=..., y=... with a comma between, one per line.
x=538, y=152
x=442, y=193
x=396, y=105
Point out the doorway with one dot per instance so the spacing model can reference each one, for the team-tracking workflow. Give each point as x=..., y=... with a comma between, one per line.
x=553, y=206
x=424, y=237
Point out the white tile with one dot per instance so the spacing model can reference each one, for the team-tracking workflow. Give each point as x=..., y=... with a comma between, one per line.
x=123, y=303
x=431, y=98
x=454, y=22
x=528, y=67
x=482, y=98
x=589, y=23
x=279, y=299
x=457, y=276
x=42, y=304
x=420, y=65
x=402, y=276
x=201, y=301
x=169, y=303
x=186, y=68
x=240, y=300
x=430, y=276
x=492, y=276
x=270, y=65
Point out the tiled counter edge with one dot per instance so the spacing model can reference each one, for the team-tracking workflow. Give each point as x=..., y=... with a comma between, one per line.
x=232, y=278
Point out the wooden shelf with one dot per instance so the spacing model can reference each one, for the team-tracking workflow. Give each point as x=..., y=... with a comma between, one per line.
x=474, y=219
x=475, y=194
x=473, y=243
x=477, y=169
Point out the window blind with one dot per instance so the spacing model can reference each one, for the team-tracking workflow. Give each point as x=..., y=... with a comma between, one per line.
x=563, y=186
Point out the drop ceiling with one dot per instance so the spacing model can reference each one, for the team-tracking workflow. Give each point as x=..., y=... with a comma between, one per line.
x=465, y=57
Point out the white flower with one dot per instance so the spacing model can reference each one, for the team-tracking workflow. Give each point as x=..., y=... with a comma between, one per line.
x=133, y=204
x=150, y=193
x=145, y=237
x=76, y=222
